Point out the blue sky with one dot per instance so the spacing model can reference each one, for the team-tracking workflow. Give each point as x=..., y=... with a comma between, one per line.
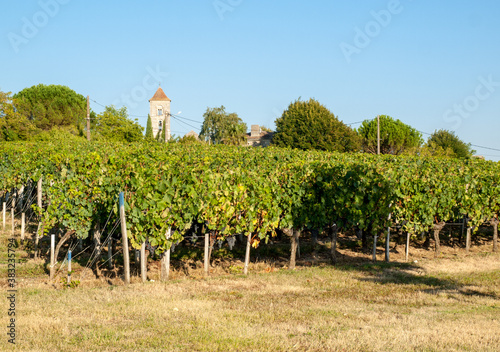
x=432, y=64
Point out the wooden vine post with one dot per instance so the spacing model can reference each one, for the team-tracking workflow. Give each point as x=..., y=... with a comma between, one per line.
x=165, y=266
x=468, y=239
x=23, y=224
x=20, y=196
x=126, y=259
x=12, y=210
x=247, y=254
x=52, y=257
x=69, y=267
x=387, y=245
x=407, y=249
x=374, y=258
x=4, y=206
x=144, y=263
x=165, y=260
x=206, y=259
x=39, y=192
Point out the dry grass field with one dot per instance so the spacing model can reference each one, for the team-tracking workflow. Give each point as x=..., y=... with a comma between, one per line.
x=447, y=304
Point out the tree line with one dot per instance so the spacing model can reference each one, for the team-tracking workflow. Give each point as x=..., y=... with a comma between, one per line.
x=44, y=112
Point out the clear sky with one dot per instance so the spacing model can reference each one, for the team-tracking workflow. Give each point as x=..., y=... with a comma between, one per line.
x=432, y=64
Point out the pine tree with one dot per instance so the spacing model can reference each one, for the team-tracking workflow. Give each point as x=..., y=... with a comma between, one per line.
x=396, y=137
x=149, y=129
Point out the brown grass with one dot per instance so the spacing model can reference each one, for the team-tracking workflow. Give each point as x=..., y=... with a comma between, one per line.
x=446, y=304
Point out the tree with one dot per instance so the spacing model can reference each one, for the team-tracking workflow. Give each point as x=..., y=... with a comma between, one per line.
x=236, y=131
x=395, y=136
x=222, y=127
x=446, y=143
x=13, y=125
x=115, y=125
x=48, y=106
x=187, y=140
x=149, y=129
x=310, y=125
x=63, y=134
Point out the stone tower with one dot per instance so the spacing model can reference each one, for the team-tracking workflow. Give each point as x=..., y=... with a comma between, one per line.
x=159, y=110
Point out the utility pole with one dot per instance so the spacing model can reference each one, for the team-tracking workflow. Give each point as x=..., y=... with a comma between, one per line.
x=88, y=118
x=378, y=134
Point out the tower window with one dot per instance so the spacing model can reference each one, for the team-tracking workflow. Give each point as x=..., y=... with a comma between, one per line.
x=160, y=111
x=160, y=125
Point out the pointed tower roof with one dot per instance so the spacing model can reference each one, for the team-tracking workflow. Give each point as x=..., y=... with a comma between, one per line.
x=160, y=96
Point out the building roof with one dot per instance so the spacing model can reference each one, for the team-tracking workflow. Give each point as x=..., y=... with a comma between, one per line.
x=160, y=96
x=263, y=135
